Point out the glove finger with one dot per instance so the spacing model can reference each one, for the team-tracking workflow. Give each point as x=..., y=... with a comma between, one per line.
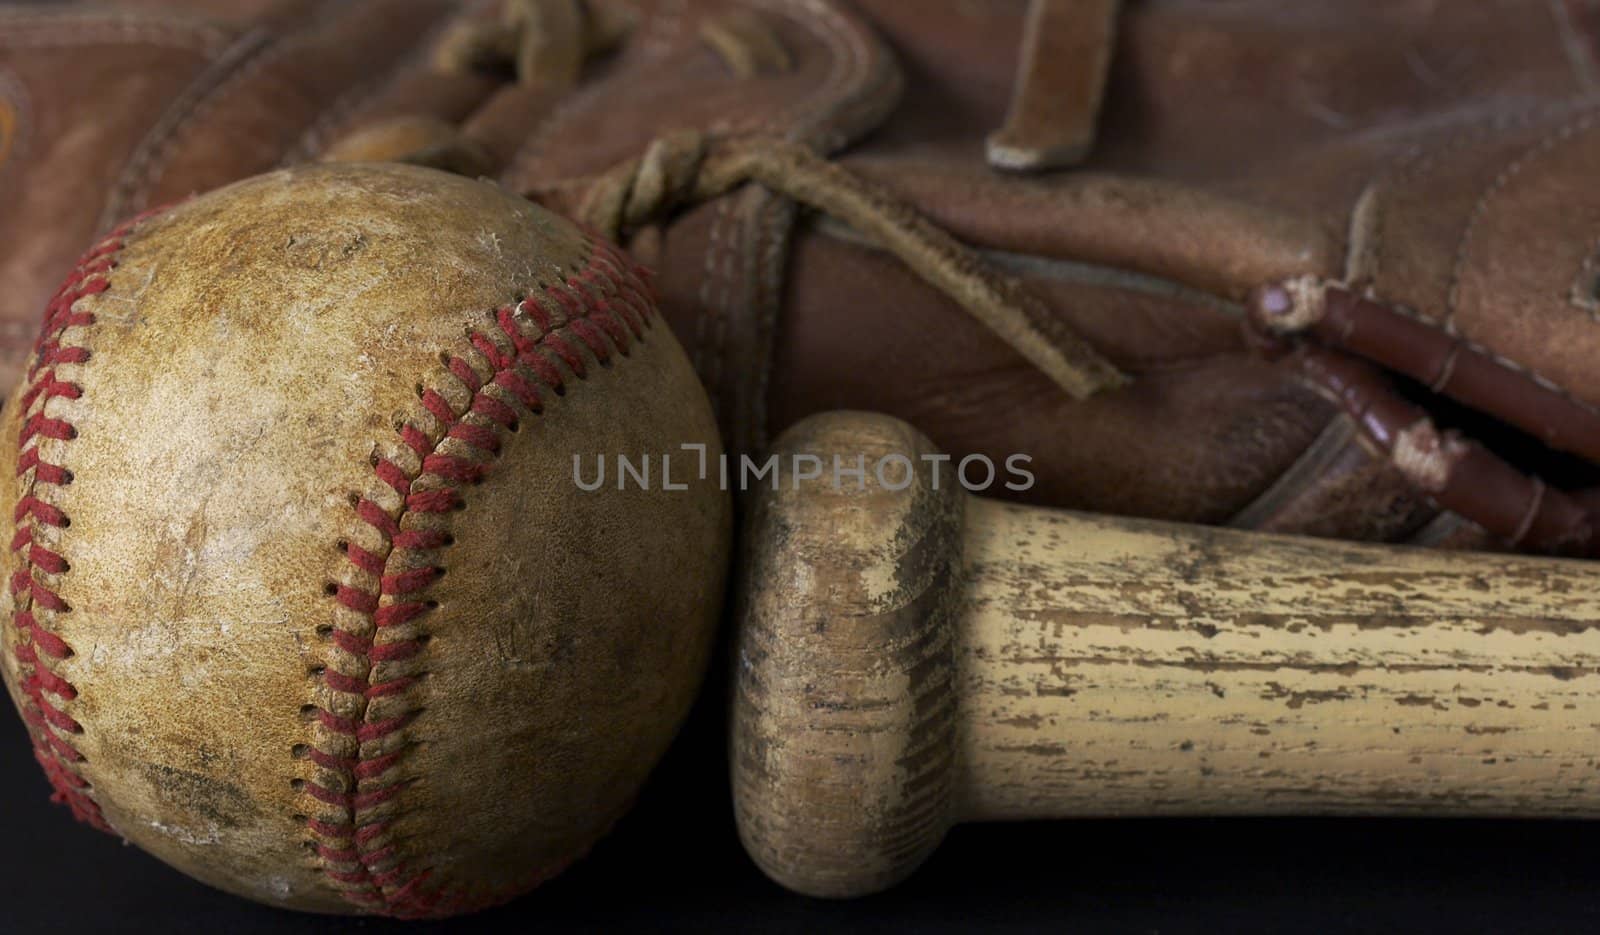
x=278, y=101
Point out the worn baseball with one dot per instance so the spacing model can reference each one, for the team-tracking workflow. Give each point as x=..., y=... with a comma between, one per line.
x=303, y=596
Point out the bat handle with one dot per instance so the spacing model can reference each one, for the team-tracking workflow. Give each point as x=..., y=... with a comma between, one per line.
x=912, y=658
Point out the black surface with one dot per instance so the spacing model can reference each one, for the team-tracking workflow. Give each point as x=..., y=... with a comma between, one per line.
x=675, y=864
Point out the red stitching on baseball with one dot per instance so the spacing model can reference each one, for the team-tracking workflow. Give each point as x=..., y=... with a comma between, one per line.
x=34, y=647
x=465, y=374
x=356, y=599
x=415, y=440
x=432, y=501
x=495, y=411
x=437, y=405
x=390, y=474
x=602, y=311
x=364, y=560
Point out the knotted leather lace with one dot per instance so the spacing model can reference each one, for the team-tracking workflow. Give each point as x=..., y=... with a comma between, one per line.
x=547, y=42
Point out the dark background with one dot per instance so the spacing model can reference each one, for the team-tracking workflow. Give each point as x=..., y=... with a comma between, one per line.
x=676, y=864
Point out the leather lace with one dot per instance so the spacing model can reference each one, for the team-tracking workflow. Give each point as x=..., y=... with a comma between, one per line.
x=547, y=43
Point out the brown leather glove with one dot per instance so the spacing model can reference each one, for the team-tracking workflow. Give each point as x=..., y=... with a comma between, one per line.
x=107, y=109
x=1273, y=265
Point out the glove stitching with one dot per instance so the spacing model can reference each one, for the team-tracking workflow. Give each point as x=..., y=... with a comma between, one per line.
x=33, y=30
x=1582, y=123
x=139, y=174
x=349, y=108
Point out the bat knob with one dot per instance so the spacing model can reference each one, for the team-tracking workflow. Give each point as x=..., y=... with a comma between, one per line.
x=845, y=701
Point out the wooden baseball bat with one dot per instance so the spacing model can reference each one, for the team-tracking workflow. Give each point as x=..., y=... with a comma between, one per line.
x=908, y=659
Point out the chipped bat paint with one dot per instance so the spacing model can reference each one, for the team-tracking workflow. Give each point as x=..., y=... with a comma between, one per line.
x=1033, y=663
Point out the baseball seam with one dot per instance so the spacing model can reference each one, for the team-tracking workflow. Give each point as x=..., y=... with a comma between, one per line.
x=368, y=689
x=36, y=601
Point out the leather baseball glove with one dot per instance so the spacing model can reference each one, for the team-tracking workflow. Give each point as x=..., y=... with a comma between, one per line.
x=1330, y=267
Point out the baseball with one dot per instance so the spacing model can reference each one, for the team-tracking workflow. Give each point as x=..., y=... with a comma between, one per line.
x=303, y=599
